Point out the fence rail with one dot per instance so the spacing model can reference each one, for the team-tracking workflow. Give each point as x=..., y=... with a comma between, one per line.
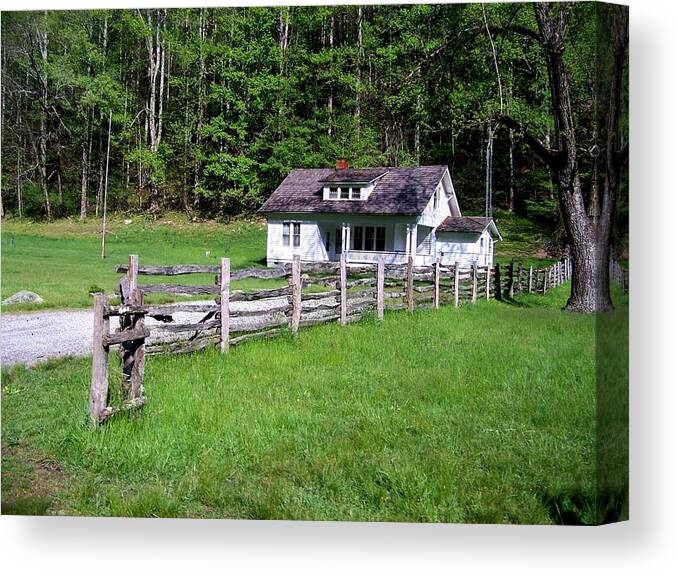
x=314, y=293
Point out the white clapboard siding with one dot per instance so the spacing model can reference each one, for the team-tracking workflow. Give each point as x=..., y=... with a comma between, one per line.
x=465, y=249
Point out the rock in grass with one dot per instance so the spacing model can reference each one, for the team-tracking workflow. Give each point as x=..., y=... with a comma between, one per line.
x=23, y=296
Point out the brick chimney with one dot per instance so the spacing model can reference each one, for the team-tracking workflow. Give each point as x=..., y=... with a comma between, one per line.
x=342, y=164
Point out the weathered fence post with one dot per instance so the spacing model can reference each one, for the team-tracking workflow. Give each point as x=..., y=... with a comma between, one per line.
x=546, y=280
x=474, y=283
x=137, y=349
x=436, y=283
x=342, y=288
x=520, y=277
x=98, y=394
x=409, y=285
x=295, y=282
x=497, y=281
x=225, y=294
x=529, y=281
x=509, y=287
x=456, y=284
x=488, y=275
x=380, y=288
x=132, y=271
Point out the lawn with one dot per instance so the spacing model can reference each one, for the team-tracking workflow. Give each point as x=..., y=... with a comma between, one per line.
x=61, y=261
x=483, y=413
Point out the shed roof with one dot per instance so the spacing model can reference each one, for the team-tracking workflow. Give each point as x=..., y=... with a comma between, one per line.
x=400, y=191
x=468, y=225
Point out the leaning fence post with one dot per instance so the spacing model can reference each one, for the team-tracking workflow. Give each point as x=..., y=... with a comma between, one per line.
x=98, y=394
x=436, y=283
x=295, y=281
x=474, y=283
x=409, y=286
x=456, y=284
x=497, y=281
x=342, y=288
x=380, y=288
x=488, y=276
x=509, y=287
x=225, y=293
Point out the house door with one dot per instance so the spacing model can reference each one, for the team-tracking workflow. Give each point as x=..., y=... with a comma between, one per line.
x=337, y=243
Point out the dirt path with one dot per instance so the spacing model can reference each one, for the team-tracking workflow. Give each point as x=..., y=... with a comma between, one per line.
x=31, y=337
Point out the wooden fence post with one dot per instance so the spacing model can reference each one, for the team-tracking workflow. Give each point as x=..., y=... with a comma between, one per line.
x=488, y=276
x=510, y=280
x=132, y=271
x=436, y=283
x=520, y=278
x=137, y=349
x=225, y=293
x=546, y=280
x=409, y=285
x=98, y=394
x=380, y=288
x=456, y=284
x=497, y=281
x=474, y=283
x=295, y=281
x=342, y=288
x=529, y=281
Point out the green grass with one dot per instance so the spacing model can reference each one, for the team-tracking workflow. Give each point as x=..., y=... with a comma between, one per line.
x=479, y=414
x=61, y=261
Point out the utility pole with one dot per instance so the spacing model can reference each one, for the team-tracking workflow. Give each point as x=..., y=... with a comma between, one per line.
x=103, y=221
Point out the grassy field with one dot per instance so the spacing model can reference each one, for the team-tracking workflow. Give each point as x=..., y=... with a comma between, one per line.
x=479, y=414
x=60, y=261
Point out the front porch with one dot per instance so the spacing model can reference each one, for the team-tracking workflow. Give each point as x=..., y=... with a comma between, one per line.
x=365, y=242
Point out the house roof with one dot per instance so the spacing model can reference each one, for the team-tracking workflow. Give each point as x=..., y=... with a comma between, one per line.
x=468, y=225
x=400, y=191
x=359, y=175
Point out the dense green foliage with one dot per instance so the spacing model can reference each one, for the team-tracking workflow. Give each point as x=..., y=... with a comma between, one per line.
x=212, y=107
x=484, y=413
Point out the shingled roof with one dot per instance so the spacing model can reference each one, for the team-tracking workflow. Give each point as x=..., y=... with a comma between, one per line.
x=467, y=224
x=357, y=175
x=400, y=191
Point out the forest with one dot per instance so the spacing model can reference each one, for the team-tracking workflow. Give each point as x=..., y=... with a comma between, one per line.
x=210, y=108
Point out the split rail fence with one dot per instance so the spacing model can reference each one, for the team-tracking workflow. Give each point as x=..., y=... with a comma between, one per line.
x=310, y=294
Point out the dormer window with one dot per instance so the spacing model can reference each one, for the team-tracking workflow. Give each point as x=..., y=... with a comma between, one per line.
x=334, y=193
x=345, y=193
x=355, y=193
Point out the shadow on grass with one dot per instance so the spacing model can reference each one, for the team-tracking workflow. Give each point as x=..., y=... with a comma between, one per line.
x=581, y=509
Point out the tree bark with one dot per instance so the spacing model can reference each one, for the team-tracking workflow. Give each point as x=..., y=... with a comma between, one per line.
x=588, y=237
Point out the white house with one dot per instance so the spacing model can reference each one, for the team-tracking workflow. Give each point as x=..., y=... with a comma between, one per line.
x=371, y=212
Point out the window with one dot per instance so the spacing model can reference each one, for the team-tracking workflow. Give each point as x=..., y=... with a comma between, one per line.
x=327, y=241
x=355, y=193
x=482, y=243
x=436, y=199
x=345, y=193
x=369, y=238
x=286, y=234
x=334, y=193
x=381, y=239
x=358, y=238
x=296, y=234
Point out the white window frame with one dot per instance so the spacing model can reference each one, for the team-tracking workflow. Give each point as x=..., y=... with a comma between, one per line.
x=286, y=227
x=363, y=238
x=293, y=234
x=296, y=234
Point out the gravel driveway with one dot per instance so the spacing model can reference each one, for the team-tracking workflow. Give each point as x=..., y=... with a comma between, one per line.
x=36, y=336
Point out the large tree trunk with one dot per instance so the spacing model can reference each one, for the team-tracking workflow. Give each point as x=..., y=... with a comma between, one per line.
x=588, y=232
